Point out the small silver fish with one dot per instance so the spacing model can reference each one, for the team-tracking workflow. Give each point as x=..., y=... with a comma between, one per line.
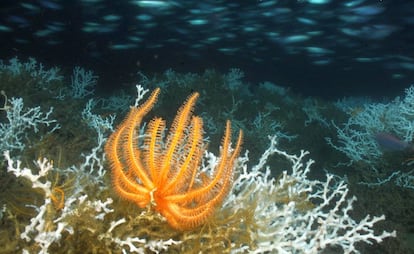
x=392, y=143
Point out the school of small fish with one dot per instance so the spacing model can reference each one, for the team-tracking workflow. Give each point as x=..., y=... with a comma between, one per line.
x=324, y=31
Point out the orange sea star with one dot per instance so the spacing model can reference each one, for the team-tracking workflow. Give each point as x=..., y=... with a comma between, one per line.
x=163, y=173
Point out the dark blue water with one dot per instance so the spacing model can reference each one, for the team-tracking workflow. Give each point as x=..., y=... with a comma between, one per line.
x=326, y=48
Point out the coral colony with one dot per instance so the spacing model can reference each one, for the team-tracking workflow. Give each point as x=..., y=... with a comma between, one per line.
x=141, y=187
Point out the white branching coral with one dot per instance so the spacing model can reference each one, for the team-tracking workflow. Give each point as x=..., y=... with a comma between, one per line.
x=20, y=122
x=49, y=227
x=83, y=83
x=39, y=230
x=35, y=69
x=297, y=215
x=355, y=138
